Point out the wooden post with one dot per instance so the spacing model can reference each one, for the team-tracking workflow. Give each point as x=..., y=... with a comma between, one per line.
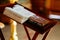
x=13, y=25
x=13, y=1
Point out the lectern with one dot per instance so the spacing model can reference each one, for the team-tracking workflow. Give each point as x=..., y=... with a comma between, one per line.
x=36, y=22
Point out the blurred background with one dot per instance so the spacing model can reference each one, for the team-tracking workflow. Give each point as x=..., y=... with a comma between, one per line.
x=43, y=7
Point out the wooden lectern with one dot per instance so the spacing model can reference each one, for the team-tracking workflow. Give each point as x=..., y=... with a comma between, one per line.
x=45, y=29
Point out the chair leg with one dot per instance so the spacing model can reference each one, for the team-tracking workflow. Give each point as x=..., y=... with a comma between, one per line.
x=45, y=35
x=35, y=36
x=27, y=33
x=1, y=35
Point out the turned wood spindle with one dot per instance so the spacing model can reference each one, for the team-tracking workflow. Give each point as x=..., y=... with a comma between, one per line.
x=13, y=25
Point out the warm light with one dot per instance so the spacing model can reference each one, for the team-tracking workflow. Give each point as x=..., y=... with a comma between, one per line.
x=13, y=1
x=51, y=16
x=47, y=3
x=13, y=25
